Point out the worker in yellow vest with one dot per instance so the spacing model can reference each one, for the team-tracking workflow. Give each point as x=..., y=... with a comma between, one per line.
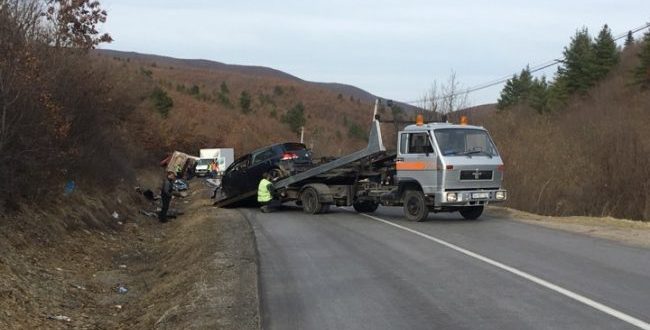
x=265, y=196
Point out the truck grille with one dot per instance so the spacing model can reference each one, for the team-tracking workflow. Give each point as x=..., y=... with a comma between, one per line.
x=476, y=175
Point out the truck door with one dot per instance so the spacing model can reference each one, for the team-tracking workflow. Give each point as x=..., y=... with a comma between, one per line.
x=416, y=160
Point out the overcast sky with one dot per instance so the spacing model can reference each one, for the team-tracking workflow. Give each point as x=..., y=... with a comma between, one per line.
x=394, y=49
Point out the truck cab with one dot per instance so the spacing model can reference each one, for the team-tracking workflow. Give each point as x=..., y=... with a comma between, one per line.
x=445, y=167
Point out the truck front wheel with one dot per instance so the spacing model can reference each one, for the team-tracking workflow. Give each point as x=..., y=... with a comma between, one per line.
x=415, y=207
x=365, y=206
x=471, y=212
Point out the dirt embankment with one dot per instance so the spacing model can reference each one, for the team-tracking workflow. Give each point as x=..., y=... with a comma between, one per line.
x=79, y=267
x=631, y=232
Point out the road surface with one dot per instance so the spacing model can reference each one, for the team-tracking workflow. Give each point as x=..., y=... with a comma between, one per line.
x=343, y=270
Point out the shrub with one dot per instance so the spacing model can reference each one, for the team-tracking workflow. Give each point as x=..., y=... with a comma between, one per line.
x=245, y=102
x=356, y=132
x=161, y=101
x=295, y=118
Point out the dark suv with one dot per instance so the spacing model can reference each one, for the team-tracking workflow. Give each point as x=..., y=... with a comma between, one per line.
x=281, y=160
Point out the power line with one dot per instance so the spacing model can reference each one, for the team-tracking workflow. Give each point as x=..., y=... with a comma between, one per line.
x=503, y=79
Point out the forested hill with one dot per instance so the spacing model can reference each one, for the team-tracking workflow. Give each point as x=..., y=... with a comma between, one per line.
x=578, y=143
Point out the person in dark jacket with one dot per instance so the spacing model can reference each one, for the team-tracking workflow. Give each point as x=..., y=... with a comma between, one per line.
x=166, y=195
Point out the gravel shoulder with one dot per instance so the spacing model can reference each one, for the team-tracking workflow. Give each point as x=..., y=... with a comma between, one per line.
x=630, y=232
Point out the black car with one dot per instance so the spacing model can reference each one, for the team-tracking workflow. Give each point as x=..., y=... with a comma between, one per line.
x=280, y=160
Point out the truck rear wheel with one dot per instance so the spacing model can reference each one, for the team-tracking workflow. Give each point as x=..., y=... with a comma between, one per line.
x=365, y=206
x=310, y=203
x=471, y=212
x=415, y=207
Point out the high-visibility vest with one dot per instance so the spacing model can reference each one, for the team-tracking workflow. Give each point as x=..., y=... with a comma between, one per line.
x=263, y=193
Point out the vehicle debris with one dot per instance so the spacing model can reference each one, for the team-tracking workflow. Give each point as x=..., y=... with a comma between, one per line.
x=60, y=318
x=121, y=289
x=181, y=185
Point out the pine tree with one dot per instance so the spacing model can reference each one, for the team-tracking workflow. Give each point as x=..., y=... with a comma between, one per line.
x=557, y=94
x=629, y=41
x=606, y=53
x=245, y=102
x=525, y=84
x=642, y=72
x=517, y=89
x=538, y=98
x=579, y=66
x=224, y=88
x=508, y=95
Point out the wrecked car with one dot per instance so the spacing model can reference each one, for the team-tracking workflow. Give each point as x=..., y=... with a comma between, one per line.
x=280, y=160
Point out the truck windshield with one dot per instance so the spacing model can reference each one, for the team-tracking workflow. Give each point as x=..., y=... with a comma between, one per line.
x=464, y=141
x=205, y=161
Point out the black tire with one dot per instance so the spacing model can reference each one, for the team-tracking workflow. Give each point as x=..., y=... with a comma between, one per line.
x=277, y=174
x=365, y=206
x=415, y=207
x=471, y=212
x=310, y=203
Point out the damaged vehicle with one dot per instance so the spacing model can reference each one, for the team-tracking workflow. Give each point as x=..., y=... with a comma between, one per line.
x=280, y=160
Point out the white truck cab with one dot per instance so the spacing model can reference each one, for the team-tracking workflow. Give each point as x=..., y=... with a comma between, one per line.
x=455, y=166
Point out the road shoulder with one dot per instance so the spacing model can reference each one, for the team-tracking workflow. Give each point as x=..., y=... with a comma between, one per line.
x=629, y=232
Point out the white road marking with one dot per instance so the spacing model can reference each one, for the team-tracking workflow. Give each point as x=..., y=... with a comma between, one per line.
x=575, y=296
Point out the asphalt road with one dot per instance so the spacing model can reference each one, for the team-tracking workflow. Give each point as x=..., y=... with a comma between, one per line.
x=343, y=270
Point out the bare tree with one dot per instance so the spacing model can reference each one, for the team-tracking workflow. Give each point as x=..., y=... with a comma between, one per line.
x=431, y=102
x=19, y=24
x=443, y=98
x=454, y=97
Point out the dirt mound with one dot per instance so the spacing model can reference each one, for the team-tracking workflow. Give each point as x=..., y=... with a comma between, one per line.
x=82, y=268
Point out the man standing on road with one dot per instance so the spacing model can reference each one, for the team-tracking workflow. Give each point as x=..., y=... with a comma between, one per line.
x=264, y=195
x=166, y=195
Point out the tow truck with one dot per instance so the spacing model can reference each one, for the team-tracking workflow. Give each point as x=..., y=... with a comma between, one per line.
x=437, y=167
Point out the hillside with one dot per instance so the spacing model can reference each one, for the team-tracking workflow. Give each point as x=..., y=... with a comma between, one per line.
x=590, y=157
x=207, y=106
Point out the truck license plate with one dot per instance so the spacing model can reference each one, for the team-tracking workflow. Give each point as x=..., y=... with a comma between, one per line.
x=480, y=195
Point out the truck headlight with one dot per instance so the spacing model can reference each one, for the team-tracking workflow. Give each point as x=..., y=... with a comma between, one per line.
x=500, y=195
x=452, y=197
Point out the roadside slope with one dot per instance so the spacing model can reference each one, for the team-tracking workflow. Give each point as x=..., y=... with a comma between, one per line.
x=77, y=266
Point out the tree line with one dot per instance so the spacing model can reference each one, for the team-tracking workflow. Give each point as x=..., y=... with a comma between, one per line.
x=585, y=62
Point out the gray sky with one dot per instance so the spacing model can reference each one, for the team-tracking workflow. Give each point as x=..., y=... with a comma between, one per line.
x=395, y=49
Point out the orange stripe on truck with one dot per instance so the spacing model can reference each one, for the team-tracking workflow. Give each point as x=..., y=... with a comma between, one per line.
x=415, y=166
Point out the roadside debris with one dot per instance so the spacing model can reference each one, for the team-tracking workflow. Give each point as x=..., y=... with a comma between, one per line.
x=60, y=318
x=121, y=289
x=181, y=185
x=77, y=286
x=149, y=214
x=213, y=182
x=69, y=188
x=115, y=215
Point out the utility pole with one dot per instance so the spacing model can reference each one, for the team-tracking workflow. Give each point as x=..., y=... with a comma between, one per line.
x=302, y=134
